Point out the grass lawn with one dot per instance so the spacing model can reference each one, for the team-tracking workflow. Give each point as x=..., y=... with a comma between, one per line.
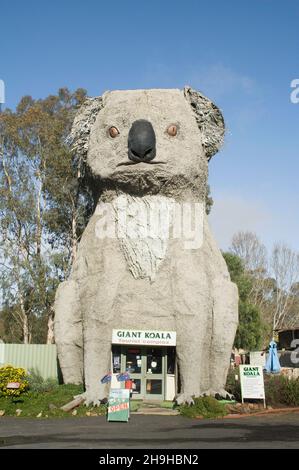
x=34, y=403
x=204, y=407
x=47, y=403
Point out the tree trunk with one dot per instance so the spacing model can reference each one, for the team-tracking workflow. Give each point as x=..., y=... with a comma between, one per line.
x=26, y=333
x=25, y=322
x=50, y=333
x=39, y=218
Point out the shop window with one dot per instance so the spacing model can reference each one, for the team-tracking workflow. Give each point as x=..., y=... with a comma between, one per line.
x=154, y=387
x=116, y=359
x=133, y=360
x=136, y=386
x=154, y=361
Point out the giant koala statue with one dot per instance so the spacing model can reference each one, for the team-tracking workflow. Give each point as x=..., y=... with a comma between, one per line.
x=144, y=148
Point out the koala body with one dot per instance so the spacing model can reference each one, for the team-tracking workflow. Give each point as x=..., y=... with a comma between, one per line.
x=147, y=150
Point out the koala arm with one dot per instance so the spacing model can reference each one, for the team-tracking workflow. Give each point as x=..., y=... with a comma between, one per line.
x=216, y=263
x=68, y=332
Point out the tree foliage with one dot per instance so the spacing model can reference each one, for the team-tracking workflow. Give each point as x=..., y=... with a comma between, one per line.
x=250, y=329
x=43, y=210
x=274, y=279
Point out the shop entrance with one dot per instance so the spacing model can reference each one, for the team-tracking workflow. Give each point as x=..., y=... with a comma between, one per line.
x=148, y=367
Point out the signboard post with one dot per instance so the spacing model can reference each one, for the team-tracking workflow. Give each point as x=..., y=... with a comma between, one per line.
x=252, y=382
x=119, y=405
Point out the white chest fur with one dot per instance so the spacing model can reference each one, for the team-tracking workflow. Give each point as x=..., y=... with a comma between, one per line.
x=142, y=227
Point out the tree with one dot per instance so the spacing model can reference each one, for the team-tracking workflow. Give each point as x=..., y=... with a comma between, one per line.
x=273, y=279
x=285, y=269
x=42, y=207
x=248, y=247
x=250, y=329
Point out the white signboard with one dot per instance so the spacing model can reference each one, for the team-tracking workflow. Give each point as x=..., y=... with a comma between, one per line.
x=257, y=358
x=252, y=382
x=145, y=337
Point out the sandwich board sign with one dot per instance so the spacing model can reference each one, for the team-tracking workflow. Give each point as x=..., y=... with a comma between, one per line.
x=119, y=405
x=252, y=382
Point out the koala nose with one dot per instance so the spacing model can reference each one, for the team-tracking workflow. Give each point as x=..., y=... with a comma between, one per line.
x=141, y=141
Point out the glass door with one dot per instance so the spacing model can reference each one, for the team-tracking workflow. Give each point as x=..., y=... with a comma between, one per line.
x=153, y=374
x=133, y=363
x=146, y=366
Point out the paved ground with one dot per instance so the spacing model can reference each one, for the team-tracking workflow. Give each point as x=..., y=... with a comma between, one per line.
x=170, y=432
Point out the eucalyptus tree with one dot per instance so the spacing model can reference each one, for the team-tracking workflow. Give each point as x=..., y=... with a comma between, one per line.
x=42, y=208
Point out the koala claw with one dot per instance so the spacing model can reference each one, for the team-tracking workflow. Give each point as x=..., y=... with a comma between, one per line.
x=184, y=398
x=221, y=394
x=91, y=399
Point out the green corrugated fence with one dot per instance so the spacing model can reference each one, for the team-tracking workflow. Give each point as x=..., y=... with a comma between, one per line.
x=40, y=357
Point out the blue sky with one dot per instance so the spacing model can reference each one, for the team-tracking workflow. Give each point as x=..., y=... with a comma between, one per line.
x=243, y=55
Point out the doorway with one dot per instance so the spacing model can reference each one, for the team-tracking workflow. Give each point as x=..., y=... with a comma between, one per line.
x=147, y=366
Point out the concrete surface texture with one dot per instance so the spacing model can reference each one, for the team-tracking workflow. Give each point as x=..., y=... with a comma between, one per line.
x=152, y=432
x=134, y=278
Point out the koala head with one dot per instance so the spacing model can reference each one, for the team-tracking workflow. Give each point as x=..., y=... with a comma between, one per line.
x=148, y=141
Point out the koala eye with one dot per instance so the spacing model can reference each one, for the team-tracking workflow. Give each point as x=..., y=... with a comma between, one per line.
x=113, y=131
x=172, y=130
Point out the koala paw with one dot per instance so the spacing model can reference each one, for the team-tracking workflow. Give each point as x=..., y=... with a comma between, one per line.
x=184, y=398
x=221, y=394
x=91, y=399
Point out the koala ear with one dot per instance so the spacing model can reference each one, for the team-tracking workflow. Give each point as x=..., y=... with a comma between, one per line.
x=84, y=119
x=209, y=119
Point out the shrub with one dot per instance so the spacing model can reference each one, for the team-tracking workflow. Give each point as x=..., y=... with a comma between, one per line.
x=38, y=384
x=206, y=407
x=291, y=392
x=281, y=390
x=12, y=374
x=233, y=386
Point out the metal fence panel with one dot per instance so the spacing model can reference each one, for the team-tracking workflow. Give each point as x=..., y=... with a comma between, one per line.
x=40, y=357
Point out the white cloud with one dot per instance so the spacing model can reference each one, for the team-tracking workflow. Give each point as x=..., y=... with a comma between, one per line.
x=216, y=80
x=219, y=80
